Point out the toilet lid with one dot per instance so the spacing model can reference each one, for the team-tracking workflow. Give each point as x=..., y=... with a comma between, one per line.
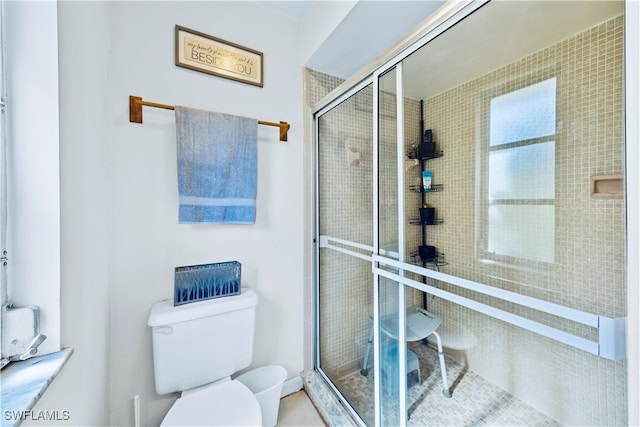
x=226, y=404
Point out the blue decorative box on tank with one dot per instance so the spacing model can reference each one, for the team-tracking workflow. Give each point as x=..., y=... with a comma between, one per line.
x=206, y=281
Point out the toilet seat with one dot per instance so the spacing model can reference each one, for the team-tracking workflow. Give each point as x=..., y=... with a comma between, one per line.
x=226, y=404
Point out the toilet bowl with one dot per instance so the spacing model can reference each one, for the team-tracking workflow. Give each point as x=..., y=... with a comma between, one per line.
x=227, y=404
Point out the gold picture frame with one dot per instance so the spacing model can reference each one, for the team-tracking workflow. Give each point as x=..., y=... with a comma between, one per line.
x=207, y=54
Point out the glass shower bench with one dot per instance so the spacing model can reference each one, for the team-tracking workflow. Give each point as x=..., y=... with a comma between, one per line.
x=420, y=324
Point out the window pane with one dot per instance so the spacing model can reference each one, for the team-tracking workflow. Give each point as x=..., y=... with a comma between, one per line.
x=526, y=172
x=524, y=114
x=523, y=231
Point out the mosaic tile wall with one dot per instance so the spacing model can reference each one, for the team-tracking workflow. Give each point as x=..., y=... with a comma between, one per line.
x=588, y=274
x=345, y=197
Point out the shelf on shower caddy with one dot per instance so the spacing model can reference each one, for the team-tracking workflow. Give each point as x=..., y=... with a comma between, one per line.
x=437, y=262
x=417, y=221
x=417, y=188
x=436, y=155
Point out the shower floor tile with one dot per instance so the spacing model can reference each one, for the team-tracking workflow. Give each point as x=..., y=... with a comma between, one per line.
x=474, y=401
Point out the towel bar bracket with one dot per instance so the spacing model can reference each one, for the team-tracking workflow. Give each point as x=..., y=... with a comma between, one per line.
x=135, y=114
x=135, y=109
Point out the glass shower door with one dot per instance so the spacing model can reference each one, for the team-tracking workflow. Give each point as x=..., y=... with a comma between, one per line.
x=345, y=244
x=522, y=264
x=388, y=293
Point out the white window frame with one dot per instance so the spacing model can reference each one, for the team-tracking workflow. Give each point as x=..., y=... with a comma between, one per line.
x=33, y=166
x=3, y=185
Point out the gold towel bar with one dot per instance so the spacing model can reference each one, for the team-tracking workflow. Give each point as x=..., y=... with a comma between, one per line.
x=135, y=114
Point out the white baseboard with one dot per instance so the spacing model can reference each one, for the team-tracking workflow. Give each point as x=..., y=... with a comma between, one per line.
x=291, y=386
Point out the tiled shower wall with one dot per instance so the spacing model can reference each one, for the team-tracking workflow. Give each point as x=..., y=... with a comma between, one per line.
x=588, y=273
x=345, y=200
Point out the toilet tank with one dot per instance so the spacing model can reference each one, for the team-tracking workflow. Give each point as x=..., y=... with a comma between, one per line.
x=199, y=343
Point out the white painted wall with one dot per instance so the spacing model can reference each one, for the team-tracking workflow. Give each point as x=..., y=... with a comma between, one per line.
x=322, y=18
x=33, y=191
x=366, y=31
x=146, y=240
x=82, y=388
x=120, y=236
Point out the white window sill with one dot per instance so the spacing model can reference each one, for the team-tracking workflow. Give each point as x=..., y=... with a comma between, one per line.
x=23, y=383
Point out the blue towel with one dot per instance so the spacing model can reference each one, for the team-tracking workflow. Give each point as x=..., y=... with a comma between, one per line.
x=217, y=167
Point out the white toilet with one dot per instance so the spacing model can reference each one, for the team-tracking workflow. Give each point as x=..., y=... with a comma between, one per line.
x=196, y=348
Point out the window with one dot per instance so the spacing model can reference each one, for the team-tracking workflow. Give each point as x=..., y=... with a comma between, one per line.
x=521, y=173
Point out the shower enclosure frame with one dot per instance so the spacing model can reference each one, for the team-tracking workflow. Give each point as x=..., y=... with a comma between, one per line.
x=611, y=340
x=320, y=241
x=440, y=22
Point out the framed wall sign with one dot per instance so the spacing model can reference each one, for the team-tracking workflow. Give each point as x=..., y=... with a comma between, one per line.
x=201, y=52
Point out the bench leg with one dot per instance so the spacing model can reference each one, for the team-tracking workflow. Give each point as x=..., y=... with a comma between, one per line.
x=443, y=370
x=364, y=371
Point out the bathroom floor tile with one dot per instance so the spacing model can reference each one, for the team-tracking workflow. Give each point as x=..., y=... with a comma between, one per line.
x=297, y=410
x=475, y=402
